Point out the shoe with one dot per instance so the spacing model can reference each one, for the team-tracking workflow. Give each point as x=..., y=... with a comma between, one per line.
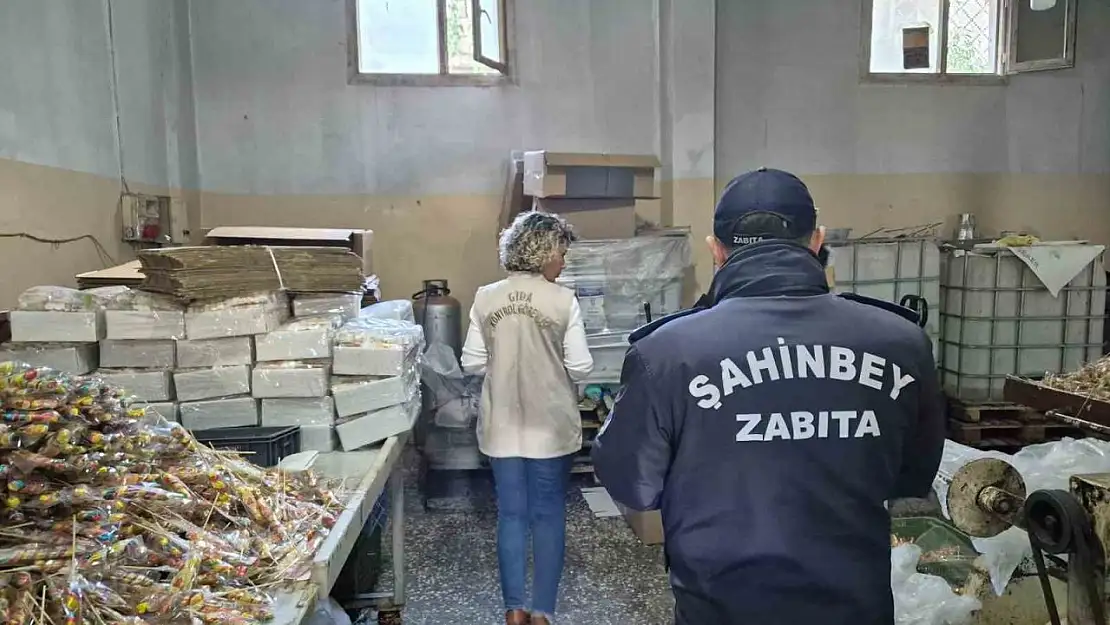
x=540, y=620
x=516, y=617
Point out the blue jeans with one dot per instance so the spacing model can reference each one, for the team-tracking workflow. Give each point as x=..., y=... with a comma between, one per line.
x=531, y=494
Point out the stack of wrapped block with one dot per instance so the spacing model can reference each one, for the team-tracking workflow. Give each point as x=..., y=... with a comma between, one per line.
x=58, y=327
x=347, y=377
x=139, y=349
x=214, y=365
x=375, y=382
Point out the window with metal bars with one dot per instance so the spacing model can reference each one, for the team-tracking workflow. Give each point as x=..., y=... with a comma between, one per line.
x=965, y=40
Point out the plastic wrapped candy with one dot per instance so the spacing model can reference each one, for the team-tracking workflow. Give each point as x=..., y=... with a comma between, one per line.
x=157, y=527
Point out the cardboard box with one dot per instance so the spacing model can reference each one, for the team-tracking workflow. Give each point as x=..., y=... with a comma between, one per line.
x=577, y=175
x=360, y=242
x=647, y=526
x=594, y=219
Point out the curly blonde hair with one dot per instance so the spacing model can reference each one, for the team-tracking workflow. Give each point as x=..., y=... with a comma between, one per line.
x=532, y=240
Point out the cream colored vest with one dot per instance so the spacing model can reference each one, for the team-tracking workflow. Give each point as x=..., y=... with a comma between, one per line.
x=529, y=403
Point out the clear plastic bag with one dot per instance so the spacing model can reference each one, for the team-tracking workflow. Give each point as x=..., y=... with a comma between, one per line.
x=613, y=279
x=313, y=304
x=397, y=309
x=921, y=599
x=307, y=338
x=143, y=301
x=65, y=299
x=455, y=397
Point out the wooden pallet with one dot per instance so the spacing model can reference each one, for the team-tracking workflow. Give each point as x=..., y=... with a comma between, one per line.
x=969, y=412
x=996, y=432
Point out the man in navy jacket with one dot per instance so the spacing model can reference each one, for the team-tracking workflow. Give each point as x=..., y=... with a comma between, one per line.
x=770, y=424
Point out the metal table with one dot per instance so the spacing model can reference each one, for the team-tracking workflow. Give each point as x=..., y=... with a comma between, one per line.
x=364, y=475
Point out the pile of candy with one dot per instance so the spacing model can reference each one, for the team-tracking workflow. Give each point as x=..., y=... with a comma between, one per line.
x=115, y=516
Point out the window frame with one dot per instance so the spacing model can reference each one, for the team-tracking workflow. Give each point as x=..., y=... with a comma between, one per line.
x=505, y=75
x=1006, y=50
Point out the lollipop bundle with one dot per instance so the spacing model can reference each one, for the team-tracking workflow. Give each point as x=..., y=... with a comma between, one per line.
x=112, y=515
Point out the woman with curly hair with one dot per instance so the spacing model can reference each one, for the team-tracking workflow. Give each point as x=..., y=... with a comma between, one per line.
x=526, y=335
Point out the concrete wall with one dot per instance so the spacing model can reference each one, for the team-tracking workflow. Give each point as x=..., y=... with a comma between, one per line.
x=284, y=140
x=714, y=88
x=1034, y=154
x=60, y=165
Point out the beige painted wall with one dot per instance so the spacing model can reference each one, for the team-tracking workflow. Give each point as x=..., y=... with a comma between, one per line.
x=55, y=203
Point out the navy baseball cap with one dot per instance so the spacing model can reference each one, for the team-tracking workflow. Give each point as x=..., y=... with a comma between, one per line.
x=770, y=192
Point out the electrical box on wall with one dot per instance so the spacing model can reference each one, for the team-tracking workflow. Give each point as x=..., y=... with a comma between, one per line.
x=153, y=219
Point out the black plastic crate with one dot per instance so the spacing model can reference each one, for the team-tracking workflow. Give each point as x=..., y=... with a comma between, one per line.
x=267, y=446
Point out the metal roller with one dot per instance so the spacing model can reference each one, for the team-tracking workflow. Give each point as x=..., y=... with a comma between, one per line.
x=986, y=497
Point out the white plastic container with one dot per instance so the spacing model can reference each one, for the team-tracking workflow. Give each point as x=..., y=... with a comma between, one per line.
x=608, y=352
x=999, y=319
x=890, y=269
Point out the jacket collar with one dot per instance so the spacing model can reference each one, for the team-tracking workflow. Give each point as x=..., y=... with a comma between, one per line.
x=769, y=269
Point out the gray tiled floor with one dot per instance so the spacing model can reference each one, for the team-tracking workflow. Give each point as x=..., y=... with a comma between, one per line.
x=451, y=556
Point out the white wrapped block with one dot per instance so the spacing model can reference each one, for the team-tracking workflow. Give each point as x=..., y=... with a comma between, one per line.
x=34, y=326
x=319, y=438
x=124, y=354
x=355, y=395
x=229, y=412
x=144, y=384
x=373, y=360
x=303, y=339
x=75, y=358
x=236, y=317
x=300, y=411
x=144, y=324
x=372, y=427
x=196, y=384
x=168, y=409
x=236, y=350
x=290, y=379
x=312, y=304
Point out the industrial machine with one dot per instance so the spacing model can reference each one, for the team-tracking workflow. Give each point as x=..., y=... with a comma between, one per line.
x=1069, y=531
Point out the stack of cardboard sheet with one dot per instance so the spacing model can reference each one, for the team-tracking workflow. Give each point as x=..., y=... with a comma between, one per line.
x=210, y=272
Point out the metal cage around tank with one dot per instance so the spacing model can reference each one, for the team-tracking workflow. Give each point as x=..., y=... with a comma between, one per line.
x=998, y=319
x=890, y=269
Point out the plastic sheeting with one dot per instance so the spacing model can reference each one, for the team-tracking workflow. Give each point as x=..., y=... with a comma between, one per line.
x=921, y=599
x=1043, y=466
x=455, y=397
